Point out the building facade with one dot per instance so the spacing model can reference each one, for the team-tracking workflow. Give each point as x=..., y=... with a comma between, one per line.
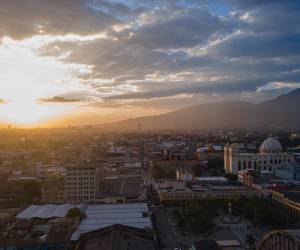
x=281, y=240
x=269, y=157
x=288, y=171
x=179, y=193
x=288, y=200
x=82, y=183
x=184, y=174
x=174, y=164
x=54, y=194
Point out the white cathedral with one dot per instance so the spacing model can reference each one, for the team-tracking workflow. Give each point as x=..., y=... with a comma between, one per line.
x=270, y=157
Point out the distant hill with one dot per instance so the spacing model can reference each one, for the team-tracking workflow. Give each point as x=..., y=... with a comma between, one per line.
x=281, y=112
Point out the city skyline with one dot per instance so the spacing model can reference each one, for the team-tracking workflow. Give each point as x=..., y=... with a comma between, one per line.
x=92, y=62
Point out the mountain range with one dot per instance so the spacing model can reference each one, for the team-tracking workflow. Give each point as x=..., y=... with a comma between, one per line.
x=282, y=112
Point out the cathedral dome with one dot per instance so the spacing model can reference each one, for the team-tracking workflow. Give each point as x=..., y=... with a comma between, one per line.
x=271, y=145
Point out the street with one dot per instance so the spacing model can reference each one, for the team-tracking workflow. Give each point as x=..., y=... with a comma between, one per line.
x=165, y=228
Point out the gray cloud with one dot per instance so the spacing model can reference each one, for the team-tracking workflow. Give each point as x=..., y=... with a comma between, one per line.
x=201, y=88
x=168, y=48
x=185, y=28
x=259, y=46
x=58, y=99
x=20, y=19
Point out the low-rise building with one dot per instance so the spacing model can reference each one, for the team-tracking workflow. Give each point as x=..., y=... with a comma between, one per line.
x=184, y=174
x=289, y=171
x=116, y=237
x=174, y=164
x=53, y=192
x=288, y=199
x=174, y=192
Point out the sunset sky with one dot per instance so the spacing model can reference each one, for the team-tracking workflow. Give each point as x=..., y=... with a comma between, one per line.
x=97, y=61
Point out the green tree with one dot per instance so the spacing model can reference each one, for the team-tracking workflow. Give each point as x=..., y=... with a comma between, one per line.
x=75, y=213
x=199, y=215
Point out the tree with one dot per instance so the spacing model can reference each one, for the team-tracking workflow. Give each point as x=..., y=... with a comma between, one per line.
x=32, y=192
x=199, y=215
x=74, y=213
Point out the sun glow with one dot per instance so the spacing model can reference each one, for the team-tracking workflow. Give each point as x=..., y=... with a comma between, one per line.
x=27, y=77
x=30, y=113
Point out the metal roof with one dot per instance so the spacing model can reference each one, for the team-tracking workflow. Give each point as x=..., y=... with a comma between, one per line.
x=47, y=211
x=102, y=215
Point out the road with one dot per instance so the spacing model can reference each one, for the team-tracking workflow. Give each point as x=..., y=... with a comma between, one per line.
x=166, y=230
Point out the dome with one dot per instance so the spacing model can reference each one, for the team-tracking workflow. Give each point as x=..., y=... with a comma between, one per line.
x=271, y=145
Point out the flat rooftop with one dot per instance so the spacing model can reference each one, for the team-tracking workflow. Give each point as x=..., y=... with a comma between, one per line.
x=182, y=187
x=48, y=211
x=102, y=215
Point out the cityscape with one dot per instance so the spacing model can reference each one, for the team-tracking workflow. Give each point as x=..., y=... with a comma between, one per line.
x=149, y=125
x=79, y=188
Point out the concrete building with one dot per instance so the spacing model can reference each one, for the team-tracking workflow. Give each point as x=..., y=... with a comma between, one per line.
x=184, y=174
x=269, y=157
x=179, y=192
x=53, y=191
x=82, y=183
x=281, y=240
x=174, y=164
x=209, y=153
x=288, y=200
x=53, y=194
x=288, y=171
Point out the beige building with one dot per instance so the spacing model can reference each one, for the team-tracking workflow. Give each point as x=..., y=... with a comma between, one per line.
x=184, y=174
x=177, y=192
x=269, y=157
x=82, y=183
x=288, y=200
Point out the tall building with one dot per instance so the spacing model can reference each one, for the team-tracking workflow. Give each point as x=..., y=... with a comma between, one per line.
x=82, y=183
x=269, y=157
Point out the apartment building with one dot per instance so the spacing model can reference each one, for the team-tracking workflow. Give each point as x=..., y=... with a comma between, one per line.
x=82, y=183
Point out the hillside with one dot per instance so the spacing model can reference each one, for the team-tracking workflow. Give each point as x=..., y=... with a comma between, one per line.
x=281, y=112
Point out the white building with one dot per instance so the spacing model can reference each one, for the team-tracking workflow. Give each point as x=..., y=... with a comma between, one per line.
x=269, y=157
x=82, y=183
